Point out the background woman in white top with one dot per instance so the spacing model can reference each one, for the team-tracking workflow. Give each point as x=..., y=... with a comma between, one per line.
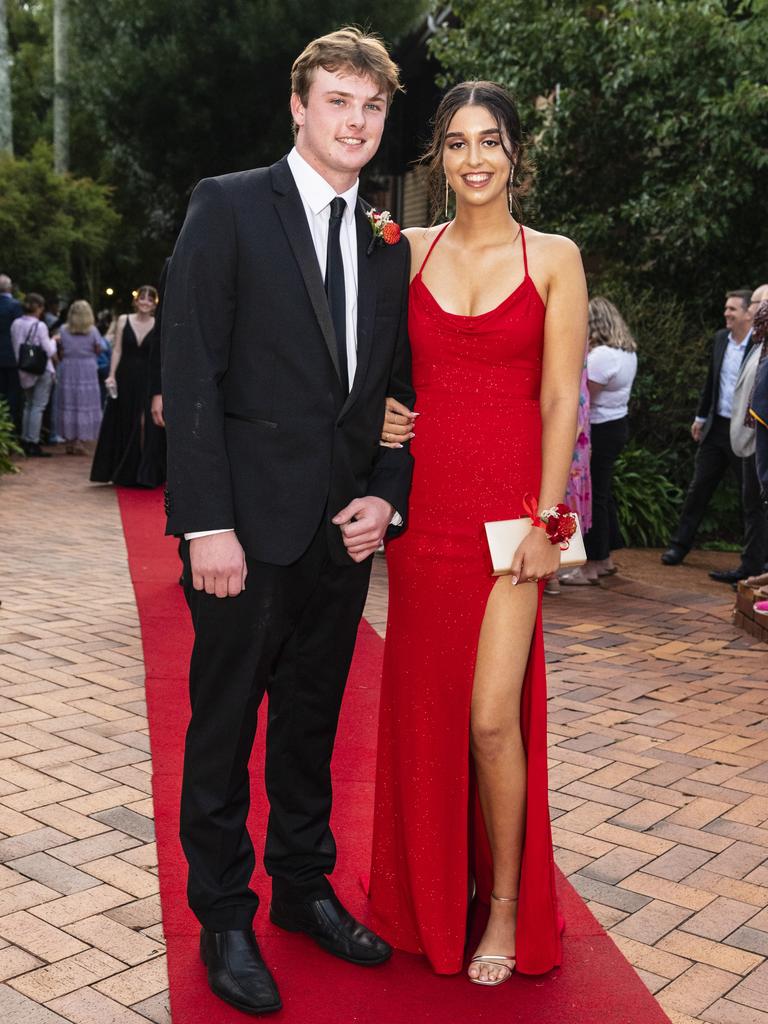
x=611, y=369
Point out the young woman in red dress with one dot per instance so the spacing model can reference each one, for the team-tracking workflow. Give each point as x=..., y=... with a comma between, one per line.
x=498, y=318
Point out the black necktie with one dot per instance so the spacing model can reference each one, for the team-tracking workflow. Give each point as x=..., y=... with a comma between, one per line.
x=334, y=286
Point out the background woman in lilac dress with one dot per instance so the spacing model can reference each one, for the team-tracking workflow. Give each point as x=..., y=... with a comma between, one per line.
x=78, y=411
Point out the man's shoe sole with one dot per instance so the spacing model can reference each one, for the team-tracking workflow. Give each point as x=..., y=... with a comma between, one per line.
x=243, y=1007
x=326, y=946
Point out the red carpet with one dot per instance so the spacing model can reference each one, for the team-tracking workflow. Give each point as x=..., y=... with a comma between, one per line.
x=596, y=982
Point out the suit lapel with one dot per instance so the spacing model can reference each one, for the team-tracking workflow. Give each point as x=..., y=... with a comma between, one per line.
x=294, y=220
x=366, y=301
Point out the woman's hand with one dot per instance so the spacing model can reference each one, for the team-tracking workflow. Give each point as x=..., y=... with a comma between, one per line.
x=535, y=559
x=398, y=424
x=110, y=382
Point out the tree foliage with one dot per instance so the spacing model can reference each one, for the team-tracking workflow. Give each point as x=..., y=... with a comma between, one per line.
x=164, y=93
x=649, y=129
x=182, y=91
x=54, y=229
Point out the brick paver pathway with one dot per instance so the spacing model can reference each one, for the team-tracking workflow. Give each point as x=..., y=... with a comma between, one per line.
x=659, y=775
x=80, y=932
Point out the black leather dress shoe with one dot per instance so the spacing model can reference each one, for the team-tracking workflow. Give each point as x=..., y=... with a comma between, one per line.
x=332, y=927
x=728, y=575
x=673, y=555
x=236, y=972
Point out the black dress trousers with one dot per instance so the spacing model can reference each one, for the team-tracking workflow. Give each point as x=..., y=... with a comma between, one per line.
x=291, y=633
x=714, y=459
x=608, y=441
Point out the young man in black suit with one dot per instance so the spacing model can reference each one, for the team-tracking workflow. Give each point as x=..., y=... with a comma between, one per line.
x=711, y=431
x=284, y=329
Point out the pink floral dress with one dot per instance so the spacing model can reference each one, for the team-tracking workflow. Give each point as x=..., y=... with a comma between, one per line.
x=578, y=493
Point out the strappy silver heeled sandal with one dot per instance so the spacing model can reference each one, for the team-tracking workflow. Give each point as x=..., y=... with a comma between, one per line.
x=495, y=959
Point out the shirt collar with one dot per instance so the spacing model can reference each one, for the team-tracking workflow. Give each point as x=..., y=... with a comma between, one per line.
x=744, y=341
x=315, y=190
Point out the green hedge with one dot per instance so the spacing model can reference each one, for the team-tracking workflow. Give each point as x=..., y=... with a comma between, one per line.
x=8, y=444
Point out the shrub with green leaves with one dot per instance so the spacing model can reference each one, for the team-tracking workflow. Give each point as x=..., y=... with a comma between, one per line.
x=8, y=444
x=646, y=499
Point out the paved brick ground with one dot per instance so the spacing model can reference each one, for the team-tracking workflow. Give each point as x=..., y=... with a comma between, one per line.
x=659, y=774
x=80, y=931
x=659, y=781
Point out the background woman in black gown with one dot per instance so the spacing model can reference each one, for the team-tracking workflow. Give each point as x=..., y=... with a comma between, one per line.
x=131, y=448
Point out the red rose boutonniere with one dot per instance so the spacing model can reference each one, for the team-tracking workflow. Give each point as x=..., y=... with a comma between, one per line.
x=384, y=229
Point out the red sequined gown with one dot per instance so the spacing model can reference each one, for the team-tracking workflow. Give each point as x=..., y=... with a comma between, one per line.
x=477, y=452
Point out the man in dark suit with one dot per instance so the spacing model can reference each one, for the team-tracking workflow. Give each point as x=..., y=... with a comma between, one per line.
x=10, y=388
x=284, y=328
x=711, y=431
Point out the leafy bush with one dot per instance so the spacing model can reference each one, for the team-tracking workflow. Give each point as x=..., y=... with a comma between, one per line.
x=54, y=228
x=646, y=499
x=8, y=443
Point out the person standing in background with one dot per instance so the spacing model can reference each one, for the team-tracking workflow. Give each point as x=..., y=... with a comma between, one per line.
x=78, y=411
x=124, y=434
x=711, y=432
x=757, y=411
x=578, y=493
x=611, y=370
x=29, y=328
x=10, y=388
x=743, y=440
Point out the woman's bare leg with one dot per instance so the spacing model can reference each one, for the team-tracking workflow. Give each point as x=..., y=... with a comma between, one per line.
x=497, y=747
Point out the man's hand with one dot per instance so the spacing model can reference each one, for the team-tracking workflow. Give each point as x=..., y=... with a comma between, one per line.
x=156, y=409
x=696, y=431
x=398, y=424
x=218, y=564
x=363, y=524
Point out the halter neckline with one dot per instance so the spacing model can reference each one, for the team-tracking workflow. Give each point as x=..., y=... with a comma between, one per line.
x=445, y=227
x=477, y=317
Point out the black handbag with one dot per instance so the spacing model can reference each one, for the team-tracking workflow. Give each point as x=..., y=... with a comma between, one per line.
x=33, y=359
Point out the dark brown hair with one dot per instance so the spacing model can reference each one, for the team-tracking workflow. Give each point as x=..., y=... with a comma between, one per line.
x=741, y=293
x=147, y=289
x=500, y=105
x=32, y=301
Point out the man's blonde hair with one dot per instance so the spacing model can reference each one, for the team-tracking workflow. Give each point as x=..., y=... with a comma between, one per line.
x=348, y=49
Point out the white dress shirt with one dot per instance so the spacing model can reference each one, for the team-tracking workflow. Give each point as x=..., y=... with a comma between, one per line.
x=316, y=196
x=729, y=373
x=730, y=367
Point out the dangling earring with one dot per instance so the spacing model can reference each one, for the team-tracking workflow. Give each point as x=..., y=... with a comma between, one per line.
x=446, y=197
x=510, y=186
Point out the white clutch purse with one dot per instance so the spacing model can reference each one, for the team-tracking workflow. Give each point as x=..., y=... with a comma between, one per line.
x=506, y=535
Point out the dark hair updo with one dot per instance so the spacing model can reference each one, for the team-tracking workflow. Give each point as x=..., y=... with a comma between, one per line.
x=500, y=105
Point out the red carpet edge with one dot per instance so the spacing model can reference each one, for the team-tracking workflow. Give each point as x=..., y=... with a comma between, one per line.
x=595, y=981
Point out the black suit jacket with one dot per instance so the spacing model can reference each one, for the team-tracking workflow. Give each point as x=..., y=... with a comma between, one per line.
x=261, y=435
x=710, y=393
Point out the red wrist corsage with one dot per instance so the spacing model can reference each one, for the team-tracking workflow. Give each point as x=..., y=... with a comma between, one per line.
x=559, y=522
